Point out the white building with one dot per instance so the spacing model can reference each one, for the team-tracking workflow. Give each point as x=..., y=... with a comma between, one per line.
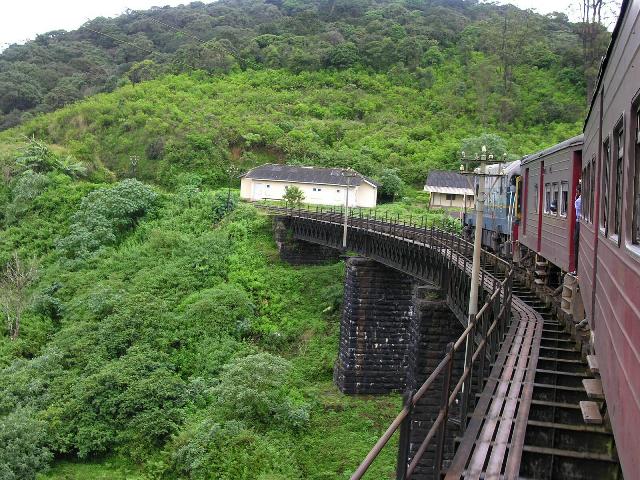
x=448, y=190
x=322, y=186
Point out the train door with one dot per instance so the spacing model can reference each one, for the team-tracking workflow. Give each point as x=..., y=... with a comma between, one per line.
x=573, y=221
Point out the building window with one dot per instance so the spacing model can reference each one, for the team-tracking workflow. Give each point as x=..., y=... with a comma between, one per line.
x=451, y=196
x=636, y=180
x=536, y=196
x=618, y=136
x=315, y=189
x=604, y=205
x=547, y=198
x=564, y=199
x=268, y=186
x=338, y=190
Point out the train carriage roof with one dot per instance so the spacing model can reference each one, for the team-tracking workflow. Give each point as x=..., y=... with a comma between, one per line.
x=574, y=142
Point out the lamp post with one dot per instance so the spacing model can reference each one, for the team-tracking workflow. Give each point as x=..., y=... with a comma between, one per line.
x=348, y=174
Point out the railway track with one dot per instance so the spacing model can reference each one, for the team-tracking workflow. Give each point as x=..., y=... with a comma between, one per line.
x=557, y=442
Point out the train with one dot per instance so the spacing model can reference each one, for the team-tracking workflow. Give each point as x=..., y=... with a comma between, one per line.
x=531, y=214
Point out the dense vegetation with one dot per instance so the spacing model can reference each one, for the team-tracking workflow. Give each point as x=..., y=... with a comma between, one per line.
x=409, y=39
x=162, y=329
x=151, y=331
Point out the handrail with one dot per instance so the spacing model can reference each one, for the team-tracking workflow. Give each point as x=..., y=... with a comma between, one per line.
x=496, y=308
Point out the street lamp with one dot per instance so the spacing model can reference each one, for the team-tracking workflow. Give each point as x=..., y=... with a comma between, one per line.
x=348, y=174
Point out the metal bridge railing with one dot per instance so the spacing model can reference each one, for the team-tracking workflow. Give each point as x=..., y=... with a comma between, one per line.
x=485, y=330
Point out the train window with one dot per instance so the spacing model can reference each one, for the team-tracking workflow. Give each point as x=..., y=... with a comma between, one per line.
x=619, y=163
x=536, y=196
x=585, y=194
x=592, y=196
x=547, y=198
x=555, y=197
x=636, y=180
x=604, y=206
x=564, y=199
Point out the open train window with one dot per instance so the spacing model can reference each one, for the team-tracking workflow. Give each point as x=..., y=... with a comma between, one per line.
x=636, y=177
x=592, y=196
x=547, y=198
x=604, y=206
x=555, y=197
x=564, y=198
x=618, y=137
x=585, y=194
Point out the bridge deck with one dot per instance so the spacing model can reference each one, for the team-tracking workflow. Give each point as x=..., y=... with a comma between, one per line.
x=494, y=438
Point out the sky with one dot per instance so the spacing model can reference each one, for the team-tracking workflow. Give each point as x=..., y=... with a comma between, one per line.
x=22, y=19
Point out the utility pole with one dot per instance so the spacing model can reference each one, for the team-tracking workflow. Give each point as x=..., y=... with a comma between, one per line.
x=481, y=175
x=477, y=240
x=348, y=174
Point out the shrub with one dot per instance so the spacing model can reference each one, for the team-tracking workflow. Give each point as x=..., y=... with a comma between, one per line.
x=23, y=451
x=293, y=196
x=223, y=203
x=257, y=387
x=24, y=191
x=106, y=214
x=224, y=309
x=226, y=451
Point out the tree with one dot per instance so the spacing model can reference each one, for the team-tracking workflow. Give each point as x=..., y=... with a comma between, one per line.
x=293, y=196
x=595, y=18
x=144, y=71
x=15, y=296
x=495, y=145
x=22, y=446
x=391, y=186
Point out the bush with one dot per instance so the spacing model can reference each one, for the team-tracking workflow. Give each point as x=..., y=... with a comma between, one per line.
x=225, y=309
x=106, y=214
x=135, y=402
x=226, y=451
x=23, y=451
x=223, y=203
x=24, y=191
x=257, y=387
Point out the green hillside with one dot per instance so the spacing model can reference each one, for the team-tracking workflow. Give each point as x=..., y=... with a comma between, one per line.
x=199, y=123
x=407, y=38
x=154, y=333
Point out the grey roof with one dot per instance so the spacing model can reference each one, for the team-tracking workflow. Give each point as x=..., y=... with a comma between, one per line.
x=319, y=175
x=446, y=178
x=573, y=142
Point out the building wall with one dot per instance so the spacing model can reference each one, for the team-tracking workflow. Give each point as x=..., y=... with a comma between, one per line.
x=363, y=195
x=609, y=266
x=439, y=200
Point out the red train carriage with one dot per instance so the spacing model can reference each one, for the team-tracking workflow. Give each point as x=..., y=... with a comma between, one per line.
x=609, y=259
x=548, y=222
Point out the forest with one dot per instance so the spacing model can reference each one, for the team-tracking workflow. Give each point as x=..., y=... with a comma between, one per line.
x=409, y=39
x=151, y=332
